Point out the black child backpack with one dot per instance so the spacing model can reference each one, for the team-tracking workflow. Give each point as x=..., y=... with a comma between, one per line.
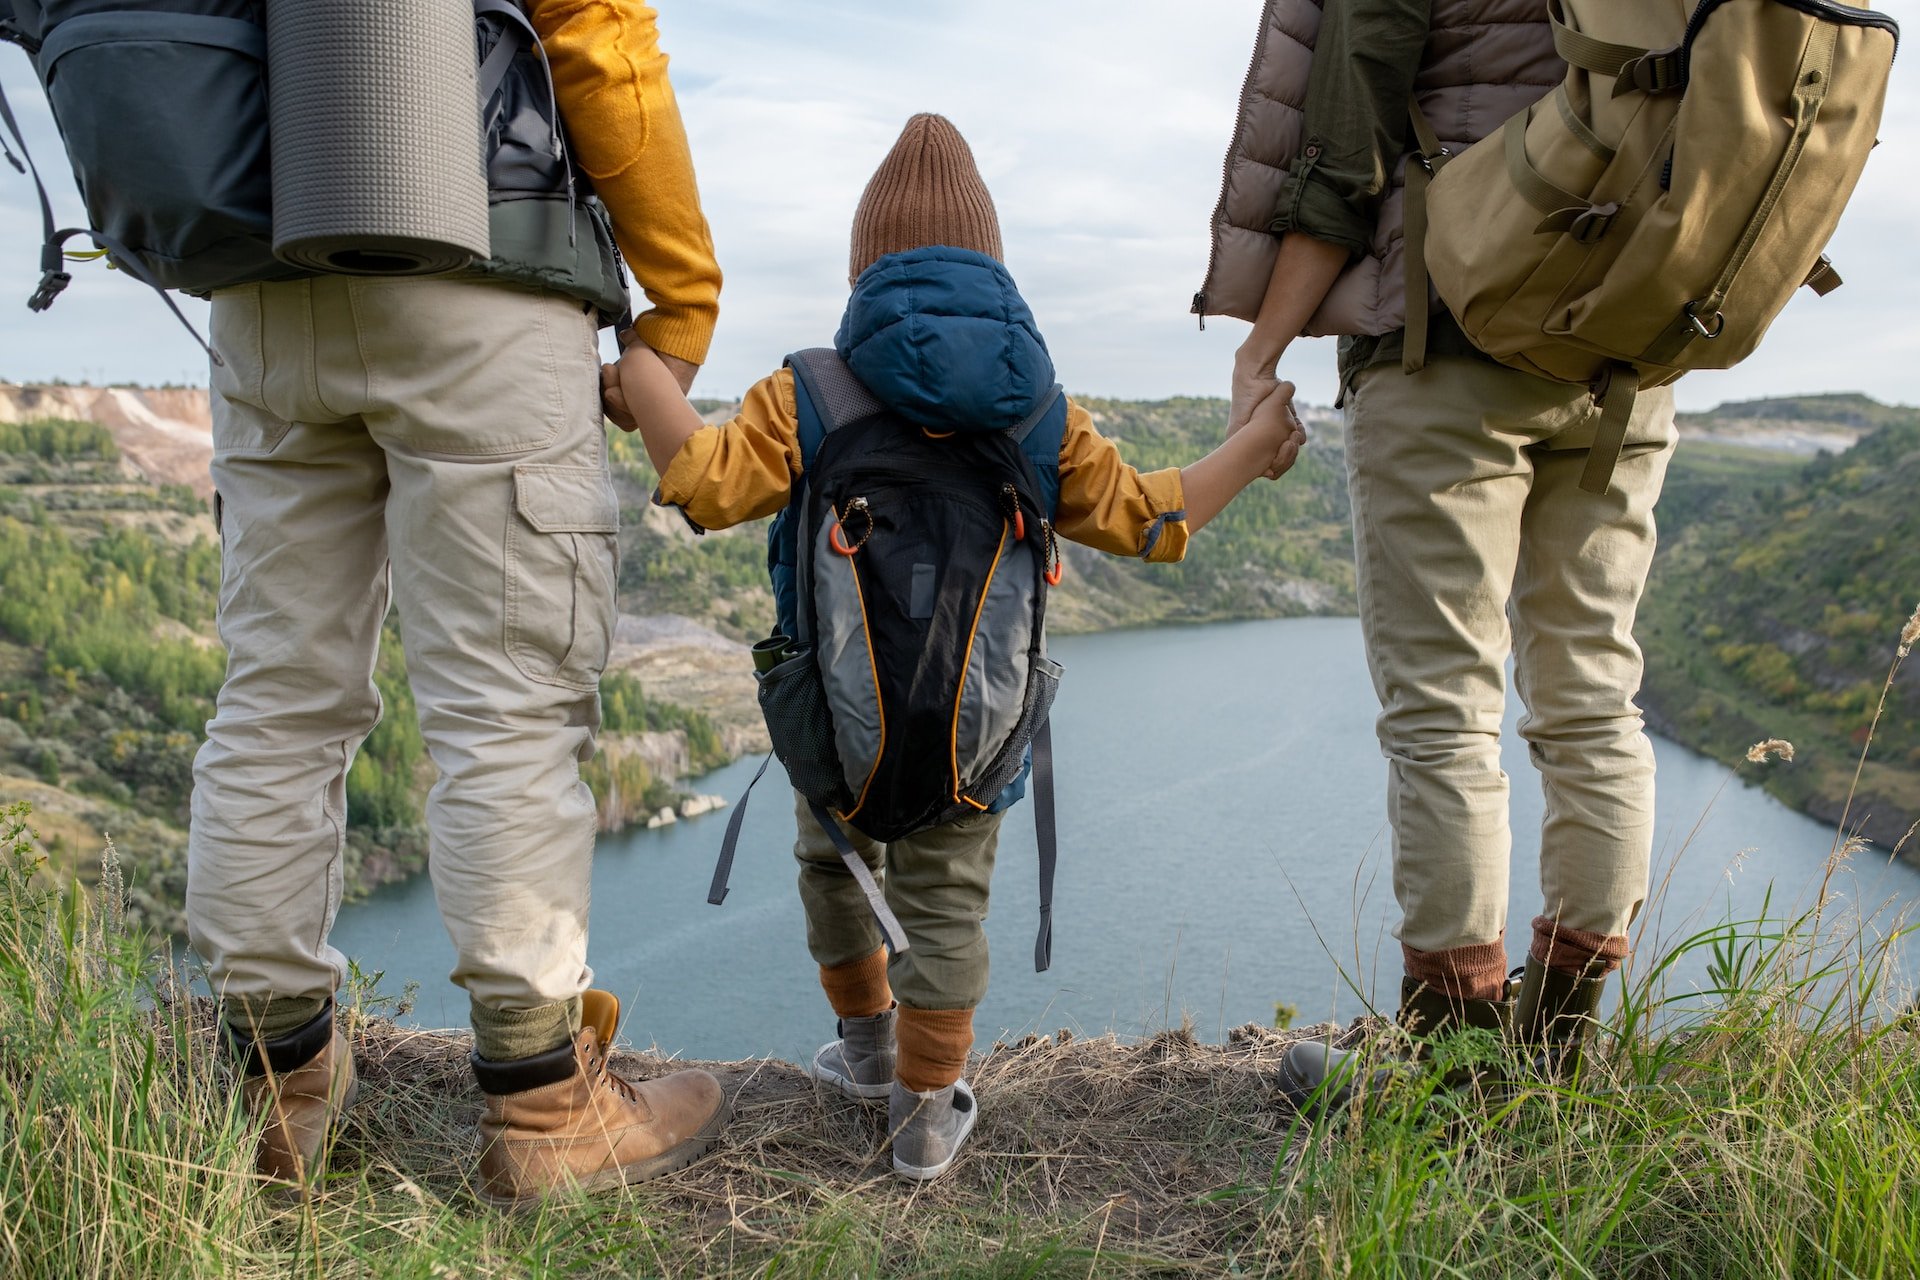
x=918, y=679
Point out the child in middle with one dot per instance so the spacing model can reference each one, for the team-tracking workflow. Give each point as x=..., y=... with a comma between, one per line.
x=927, y=284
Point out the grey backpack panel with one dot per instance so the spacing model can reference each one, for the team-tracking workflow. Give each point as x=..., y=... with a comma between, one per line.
x=847, y=666
x=164, y=113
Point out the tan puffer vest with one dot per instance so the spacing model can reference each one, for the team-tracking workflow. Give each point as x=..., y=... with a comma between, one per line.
x=1484, y=61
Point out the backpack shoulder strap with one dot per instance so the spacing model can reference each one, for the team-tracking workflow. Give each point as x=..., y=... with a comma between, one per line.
x=1041, y=409
x=838, y=397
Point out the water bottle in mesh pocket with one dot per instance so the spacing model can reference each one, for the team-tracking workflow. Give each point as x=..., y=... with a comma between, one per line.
x=793, y=699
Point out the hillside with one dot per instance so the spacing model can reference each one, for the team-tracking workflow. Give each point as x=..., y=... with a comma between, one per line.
x=1774, y=611
x=109, y=664
x=1783, y=578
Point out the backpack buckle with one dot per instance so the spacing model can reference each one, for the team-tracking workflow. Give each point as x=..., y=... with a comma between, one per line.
x=51, y=285
x=1593, y=222
x=1655, y=72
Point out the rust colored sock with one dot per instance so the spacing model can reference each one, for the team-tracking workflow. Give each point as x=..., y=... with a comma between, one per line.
x=932, y=1046
x=858, y=988
x=1576, y=952
x=1474, y=972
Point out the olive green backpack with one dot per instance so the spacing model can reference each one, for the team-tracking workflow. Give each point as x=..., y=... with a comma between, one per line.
x=1654, y=212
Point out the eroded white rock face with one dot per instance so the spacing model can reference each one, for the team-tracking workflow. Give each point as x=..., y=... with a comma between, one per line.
x=165, y=433
x=666, y=817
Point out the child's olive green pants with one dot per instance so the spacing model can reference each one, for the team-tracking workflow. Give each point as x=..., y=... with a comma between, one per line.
x=935, y=881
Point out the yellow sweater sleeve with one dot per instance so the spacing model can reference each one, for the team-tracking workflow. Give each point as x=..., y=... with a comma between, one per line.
x=744, y=468
x=1110, y=506
x=610, y=78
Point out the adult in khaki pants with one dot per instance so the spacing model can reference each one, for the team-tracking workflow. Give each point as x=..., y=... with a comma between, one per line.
x=1474, y=541
x=438, y=444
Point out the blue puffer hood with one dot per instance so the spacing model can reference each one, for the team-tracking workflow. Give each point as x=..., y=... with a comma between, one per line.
x=942, y=337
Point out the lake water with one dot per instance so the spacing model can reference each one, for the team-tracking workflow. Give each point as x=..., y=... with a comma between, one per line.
x=1220, y=788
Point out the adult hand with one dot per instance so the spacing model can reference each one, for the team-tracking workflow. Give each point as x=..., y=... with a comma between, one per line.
x=1254, y=379
x=613, y=401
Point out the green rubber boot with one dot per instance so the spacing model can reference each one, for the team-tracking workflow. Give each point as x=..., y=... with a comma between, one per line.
x=1555, y=1014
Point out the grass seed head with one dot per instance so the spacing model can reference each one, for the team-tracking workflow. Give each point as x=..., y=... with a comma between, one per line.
x=1761, y=752
x=1910, y=633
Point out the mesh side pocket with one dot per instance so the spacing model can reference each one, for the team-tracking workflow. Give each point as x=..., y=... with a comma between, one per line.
x=1042, y=684
x=793, y=699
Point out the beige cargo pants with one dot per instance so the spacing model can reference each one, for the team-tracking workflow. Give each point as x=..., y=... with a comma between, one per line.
x=436, y=442
x=1474, y=542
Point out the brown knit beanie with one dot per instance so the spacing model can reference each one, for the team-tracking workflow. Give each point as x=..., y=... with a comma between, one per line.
x=927, y=191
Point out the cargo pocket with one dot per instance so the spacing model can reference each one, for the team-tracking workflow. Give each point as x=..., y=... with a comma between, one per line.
x=562, y=566
x=165, y=119
x=793, y=698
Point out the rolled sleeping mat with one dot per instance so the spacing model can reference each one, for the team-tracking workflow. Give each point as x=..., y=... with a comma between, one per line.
x=378, y=162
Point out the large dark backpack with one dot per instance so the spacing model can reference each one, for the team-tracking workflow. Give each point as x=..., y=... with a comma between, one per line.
x=162, y=105
x=916, y=680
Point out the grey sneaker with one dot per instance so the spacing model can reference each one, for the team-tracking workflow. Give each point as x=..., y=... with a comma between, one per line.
x=860, y=1063
x=928, y=1128
x=1319, y=1079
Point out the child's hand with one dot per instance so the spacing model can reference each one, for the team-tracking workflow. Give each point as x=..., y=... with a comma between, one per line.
x=1280, y=429
x=613, y=399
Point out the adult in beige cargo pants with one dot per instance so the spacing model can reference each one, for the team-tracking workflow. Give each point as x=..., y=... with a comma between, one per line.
x=438, y=445
x=1474, y=540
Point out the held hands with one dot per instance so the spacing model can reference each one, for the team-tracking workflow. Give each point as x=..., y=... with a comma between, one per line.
x=1281, y=433
x=613, y=398
x=1254, y=379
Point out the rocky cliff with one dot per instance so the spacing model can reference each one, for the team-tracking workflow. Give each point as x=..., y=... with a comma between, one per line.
x=165, y=433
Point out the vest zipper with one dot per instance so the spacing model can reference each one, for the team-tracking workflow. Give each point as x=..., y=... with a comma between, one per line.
x=1226, y=170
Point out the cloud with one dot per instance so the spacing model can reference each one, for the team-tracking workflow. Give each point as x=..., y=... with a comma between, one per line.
x=1099, y=127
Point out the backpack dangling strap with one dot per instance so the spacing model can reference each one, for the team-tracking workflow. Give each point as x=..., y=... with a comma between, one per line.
x=1421, y=166
x=889, y=924
x=1619, y=388
x=1046, y=836
x=53, y=249
x=723, y=869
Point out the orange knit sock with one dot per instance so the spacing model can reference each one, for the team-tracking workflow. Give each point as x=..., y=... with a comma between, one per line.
x=1477, y=971
x=858, y=989
x=932, y=1046
x=1579, y=953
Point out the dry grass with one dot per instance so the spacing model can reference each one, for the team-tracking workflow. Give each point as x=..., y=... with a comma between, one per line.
x=1140, y=1150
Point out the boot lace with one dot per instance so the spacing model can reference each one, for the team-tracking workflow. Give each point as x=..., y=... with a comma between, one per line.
x=602, y=1066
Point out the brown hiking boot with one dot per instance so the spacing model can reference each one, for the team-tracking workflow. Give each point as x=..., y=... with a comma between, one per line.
x=563, y=1120
x=301, y=1084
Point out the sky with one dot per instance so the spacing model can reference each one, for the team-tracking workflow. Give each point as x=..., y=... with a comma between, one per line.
x=1099, y=126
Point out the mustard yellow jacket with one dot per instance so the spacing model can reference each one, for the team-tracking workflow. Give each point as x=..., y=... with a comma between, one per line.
x=610, y=78
x=744, y=469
